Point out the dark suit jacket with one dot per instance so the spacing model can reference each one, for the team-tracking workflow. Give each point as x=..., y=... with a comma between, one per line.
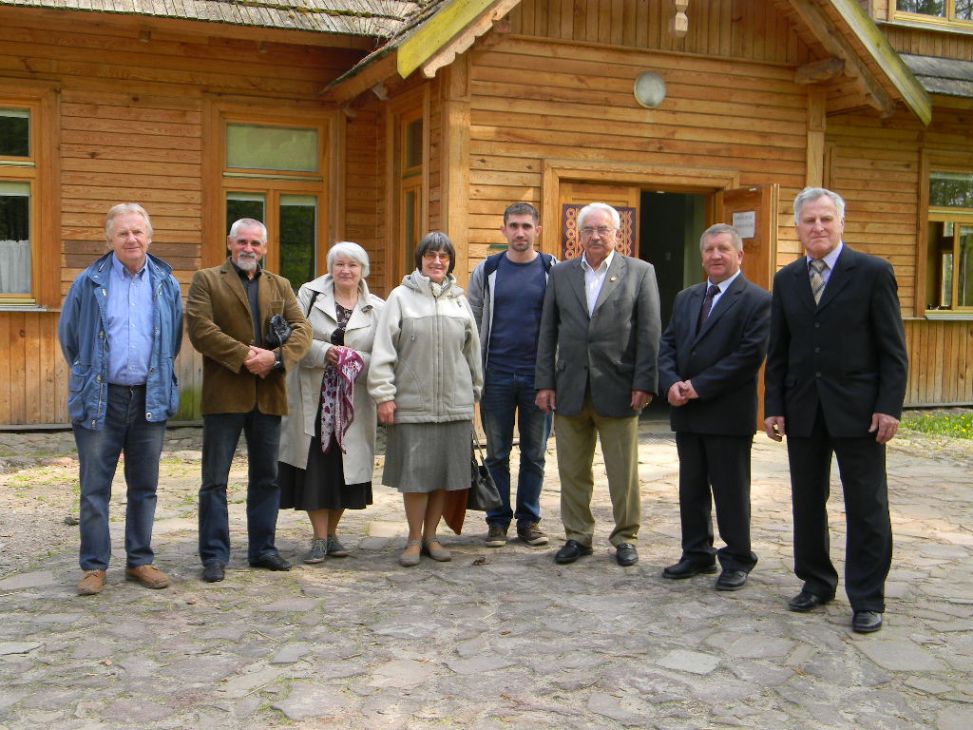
x=722, y=358
x=847, y=353
x=221, y=328
x=616, y=348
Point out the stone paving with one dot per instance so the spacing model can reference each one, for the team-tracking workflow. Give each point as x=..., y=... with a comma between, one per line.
x=498, y=638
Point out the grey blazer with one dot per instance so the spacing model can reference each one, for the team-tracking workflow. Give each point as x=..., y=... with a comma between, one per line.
x=615, y=349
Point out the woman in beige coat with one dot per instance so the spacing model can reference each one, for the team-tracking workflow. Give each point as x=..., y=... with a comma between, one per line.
x=326, y=481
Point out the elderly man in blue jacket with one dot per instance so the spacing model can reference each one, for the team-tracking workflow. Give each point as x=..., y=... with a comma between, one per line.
x=120, y=331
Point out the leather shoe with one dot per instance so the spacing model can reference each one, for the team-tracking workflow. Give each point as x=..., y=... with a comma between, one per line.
x=571, y=551
x=270, y=561
x=686, y=568
x=148, y=576
x=626, y=554
x=865, y=622
x=92, y=582
x=806, y=601
x=731, y=580
x=213, y=572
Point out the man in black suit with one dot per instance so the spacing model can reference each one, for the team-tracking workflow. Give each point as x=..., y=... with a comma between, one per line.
x=835, y=382
x=708, y=361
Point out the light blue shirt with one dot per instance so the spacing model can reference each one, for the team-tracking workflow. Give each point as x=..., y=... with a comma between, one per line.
x=831, y=259
x=130, y=323
x=722, y=286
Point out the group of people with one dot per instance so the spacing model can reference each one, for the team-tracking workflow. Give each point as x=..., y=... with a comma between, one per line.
x=575, y=345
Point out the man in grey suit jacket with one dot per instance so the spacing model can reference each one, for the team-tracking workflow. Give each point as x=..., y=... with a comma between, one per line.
x=596, y=370
x=835, y=382
x=708, y=362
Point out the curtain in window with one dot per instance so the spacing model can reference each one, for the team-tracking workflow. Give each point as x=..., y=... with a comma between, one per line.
x=15, y=267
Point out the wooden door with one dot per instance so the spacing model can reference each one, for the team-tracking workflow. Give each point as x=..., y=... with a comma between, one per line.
x=753, y=212
x=574, y=196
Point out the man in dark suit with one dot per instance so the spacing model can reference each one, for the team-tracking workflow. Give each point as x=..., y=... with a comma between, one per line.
x=597, y=370
x=708, y=361
x=835, y=382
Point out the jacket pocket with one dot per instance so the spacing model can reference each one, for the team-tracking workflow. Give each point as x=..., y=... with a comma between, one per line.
x=77, y=383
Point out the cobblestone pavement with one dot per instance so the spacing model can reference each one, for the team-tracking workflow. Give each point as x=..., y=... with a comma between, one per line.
x=497, y=638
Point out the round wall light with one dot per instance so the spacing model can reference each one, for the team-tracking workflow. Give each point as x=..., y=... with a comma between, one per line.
x=650, y=89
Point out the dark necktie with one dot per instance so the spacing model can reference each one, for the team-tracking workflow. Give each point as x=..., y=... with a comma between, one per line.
x=708, y=303
x=817, y=278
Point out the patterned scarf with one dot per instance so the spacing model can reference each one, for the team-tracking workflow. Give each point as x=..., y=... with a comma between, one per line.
x=337, y=389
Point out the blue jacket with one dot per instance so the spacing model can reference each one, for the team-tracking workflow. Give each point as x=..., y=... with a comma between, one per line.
x=82, y=332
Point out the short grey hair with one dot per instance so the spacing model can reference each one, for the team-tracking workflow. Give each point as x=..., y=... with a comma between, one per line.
x=237, y=225
x=592, y=207
x=809, y=195
x=718, y=229
x=351, y=250
x=124, y=209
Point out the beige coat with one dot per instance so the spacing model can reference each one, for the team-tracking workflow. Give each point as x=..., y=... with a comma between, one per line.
x=221, y=328
x=304, y=384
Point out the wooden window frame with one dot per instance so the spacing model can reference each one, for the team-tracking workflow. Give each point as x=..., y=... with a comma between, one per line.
x=402, y=180
x=220, y=179
x=41, y=171
x=950, y=21
x=932, y=162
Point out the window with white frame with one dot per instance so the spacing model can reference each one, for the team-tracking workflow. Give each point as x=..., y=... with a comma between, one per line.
x=949, y=11
x=18, y=179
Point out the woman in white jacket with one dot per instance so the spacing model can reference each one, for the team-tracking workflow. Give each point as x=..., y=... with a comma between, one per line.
x=425, y=377
x=324, y=480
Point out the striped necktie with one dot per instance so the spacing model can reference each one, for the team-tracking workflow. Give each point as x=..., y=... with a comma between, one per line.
x=817, y=278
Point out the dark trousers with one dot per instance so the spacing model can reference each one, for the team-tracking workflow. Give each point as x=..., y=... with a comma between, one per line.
x=125, y=430
x=719, y=465
x=868, y=549
x=221, y=432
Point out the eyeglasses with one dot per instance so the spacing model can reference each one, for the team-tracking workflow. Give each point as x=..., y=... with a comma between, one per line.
x=602, y=230
x=436, y=255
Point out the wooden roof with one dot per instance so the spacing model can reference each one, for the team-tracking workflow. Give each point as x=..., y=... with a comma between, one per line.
x=374, y=18
x=946, y=76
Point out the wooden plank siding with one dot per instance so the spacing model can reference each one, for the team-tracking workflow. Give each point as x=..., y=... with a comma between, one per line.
x=579, y=106
x=131, y=128
x=940, y=362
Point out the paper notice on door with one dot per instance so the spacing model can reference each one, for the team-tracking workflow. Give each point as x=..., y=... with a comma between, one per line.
x=745, y=222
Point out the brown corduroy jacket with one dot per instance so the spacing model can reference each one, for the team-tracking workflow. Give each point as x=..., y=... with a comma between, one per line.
x=221, y=327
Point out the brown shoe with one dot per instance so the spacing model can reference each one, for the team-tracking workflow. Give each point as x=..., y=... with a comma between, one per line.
x=92, y=582
x=148, y=575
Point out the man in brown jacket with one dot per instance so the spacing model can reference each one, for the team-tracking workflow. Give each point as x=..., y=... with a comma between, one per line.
x=229, y=311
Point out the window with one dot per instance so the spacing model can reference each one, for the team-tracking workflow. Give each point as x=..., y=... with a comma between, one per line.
x=18, y=180
x=949, y=284
x=272, y=172
x=410, y=186
x=960, y=11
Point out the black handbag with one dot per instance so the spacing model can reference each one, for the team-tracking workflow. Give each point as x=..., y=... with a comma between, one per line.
x=483, y=495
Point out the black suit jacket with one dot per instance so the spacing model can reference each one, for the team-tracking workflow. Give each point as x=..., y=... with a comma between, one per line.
x=615, y=349
x=847, y=353
x=722, y=358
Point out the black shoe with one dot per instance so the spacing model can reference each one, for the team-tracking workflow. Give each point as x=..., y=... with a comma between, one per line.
x=806, y=601
x=213, y=572
x=686, y=568
x=731, y=580
x=571, y=551
x=865, y=622
x=270, y=561
x=626, y=554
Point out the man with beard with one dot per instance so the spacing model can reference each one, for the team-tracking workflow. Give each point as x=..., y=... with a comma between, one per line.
x=229, y=311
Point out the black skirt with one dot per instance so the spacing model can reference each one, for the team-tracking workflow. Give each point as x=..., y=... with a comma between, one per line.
x=322, y=484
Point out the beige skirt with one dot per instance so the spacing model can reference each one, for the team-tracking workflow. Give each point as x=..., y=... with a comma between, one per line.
x=424, y=457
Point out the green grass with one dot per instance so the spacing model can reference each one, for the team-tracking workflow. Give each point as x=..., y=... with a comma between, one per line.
x=955, y=424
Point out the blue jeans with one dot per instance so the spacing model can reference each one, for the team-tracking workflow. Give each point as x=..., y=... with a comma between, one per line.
x=125, y=430
x=221, y=432
x=505, y=394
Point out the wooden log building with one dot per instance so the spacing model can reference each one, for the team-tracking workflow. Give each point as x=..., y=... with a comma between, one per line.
x=376, y=120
